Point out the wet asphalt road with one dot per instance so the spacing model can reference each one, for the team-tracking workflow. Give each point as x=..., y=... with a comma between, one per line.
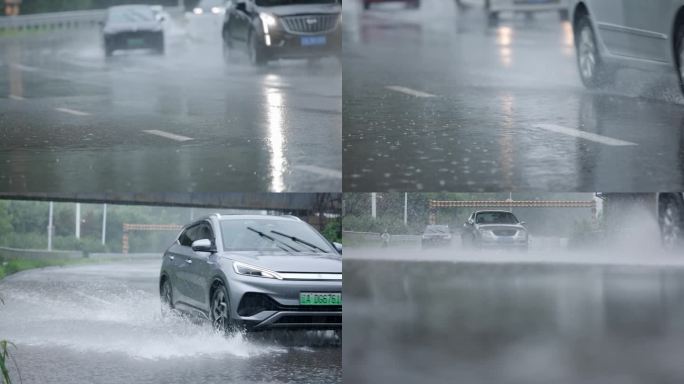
x=70, y=120
x=437, y=99
x=584, y=319
x=102, y=324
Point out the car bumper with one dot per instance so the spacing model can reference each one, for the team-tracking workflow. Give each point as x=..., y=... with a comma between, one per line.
x=134, y=40
x=503, y=244
x=260, y=304
x=285, y=45
x=528, y=5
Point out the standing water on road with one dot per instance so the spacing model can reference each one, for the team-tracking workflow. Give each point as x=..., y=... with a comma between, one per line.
x=103, y=323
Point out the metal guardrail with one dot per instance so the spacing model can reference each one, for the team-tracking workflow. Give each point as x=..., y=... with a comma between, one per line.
x=55, y=20
x=62, y=20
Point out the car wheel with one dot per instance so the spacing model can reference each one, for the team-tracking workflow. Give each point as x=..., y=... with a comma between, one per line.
x=589, y=62
x=493, y=18
x=670, y=218
x=220, y=311
x=256, y=54
x=166, y=296
x=108, y=50
x=679, y=45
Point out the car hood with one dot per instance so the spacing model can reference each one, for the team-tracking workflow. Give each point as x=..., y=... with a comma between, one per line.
x=132, y=27
x=286, y=262
x=303, y=9
x=490, y=227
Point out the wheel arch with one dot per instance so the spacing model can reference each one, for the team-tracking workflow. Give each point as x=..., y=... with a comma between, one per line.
x=676, y=24
x=217, y=281
x=580, y=10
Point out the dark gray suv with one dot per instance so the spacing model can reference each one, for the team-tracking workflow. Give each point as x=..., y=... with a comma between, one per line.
x=254, y=272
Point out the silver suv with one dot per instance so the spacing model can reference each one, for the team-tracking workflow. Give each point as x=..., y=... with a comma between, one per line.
x=635, y=33
x=254, y=272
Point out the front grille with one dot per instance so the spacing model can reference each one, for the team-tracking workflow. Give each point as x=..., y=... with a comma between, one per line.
x=310, y=24
x=505, y=232
x=253, y=303
x=307, y=319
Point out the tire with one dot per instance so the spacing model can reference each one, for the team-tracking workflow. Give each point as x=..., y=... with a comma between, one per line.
x=592, y=69
x=671, y=219
x=220, y=311
x=492, y=18
x=166, y=296
x=109, y=50
x=256, y=53
x=229, y=56
x=679, y=56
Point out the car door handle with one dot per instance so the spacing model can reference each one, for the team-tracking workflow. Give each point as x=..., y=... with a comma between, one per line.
x=188, y=261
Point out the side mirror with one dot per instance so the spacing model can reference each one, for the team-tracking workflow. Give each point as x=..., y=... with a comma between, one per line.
x=338, y=247
x=203, y=245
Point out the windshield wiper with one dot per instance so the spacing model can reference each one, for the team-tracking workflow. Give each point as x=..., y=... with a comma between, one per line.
x=298, y=240
x=273, y=239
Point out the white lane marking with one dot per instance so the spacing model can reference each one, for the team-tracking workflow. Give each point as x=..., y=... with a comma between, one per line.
x=72, y=112
x=24, y=68
x=584, y=135
x=167, y=135
x=15, y=97
x=409, y=91
x=327, y=172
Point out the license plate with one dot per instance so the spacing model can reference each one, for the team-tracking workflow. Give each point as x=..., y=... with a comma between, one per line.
x=505, y=240
x=307, y=41
x=135, y=42
x=313, y=298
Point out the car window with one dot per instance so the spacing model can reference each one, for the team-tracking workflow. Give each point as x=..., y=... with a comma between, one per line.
x=204, y=232
x=272, y=3
x=237, y=235
x=496, y=218
x=131, y=15
x=436, y=229
x=211, y=3
x=185, y=237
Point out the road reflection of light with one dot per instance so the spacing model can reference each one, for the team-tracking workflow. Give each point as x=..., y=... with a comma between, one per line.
x=16, y=81
x=504, y=36
x=276, y=141
x=568, y=38
x=504, y=39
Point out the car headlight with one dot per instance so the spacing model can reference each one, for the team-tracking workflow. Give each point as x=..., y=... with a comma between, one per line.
x=267, y=21
x=487, y=234
x=217, y=10
x=521, y=235
x=250, y=270
x=197, y=11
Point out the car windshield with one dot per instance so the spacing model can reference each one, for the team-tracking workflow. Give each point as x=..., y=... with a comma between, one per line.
x=273, y=3
x=211, y=3
x=131, y=15
x=496, y=218
x=271, y=234
x=437, y=229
